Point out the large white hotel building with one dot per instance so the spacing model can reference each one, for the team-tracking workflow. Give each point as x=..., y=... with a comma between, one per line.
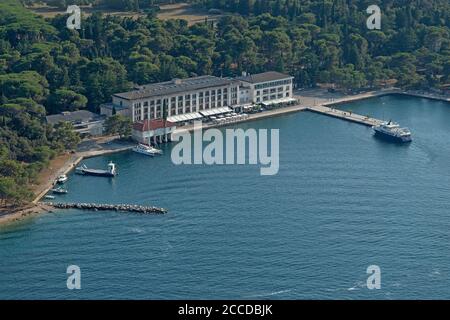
x=178, y=97
x=184, y=100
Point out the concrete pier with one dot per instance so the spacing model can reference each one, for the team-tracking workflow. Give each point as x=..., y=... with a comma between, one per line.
x=345, y=115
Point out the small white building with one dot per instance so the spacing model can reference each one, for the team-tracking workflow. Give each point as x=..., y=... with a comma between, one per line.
x=268, y=88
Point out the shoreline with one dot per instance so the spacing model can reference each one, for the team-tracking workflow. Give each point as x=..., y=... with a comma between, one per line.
x=374, y=94
x=362, y=96
x=36, y=207
x=109, y=145
x=71, y=164
x=22, y=213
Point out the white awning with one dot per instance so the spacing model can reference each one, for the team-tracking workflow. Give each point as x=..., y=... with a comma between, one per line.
x=185, y=117
x=212, y=112
x=278, y=101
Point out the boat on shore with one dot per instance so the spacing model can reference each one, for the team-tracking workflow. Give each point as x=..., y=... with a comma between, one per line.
x=147, y=150
x=110, y=172
x=393, y=132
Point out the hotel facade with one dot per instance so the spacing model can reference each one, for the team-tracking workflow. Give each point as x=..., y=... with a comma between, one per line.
x=184, y=98
x=181, y=101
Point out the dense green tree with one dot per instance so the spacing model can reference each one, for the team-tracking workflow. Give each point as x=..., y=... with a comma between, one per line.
x=64, y=137
x=118, y=125
x=65, y=100
x=27, y=84
x=102, y=78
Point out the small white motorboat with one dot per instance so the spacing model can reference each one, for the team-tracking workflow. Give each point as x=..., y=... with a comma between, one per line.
x=147, y=150
x=59, y=191
x=61, y=179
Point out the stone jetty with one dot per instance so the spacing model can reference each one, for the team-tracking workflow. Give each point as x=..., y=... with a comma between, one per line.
x=108, y=207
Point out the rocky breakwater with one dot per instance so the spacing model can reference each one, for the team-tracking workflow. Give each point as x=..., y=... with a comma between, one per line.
x=108, y=207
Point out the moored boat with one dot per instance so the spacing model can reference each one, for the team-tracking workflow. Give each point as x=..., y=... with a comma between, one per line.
x=110, y=172
x=61, y=179
x=392, y=131
x=59, y=191
x=147, y=150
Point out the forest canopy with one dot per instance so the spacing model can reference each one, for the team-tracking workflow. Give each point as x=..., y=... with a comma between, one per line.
x=46, y=68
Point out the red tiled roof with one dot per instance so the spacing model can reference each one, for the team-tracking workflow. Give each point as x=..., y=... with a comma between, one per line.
x=152, y=125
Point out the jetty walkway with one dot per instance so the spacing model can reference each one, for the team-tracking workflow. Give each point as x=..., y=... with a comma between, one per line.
x=108, y=207
x=345, y=115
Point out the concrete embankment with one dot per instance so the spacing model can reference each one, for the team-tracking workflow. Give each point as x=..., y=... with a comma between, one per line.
x=426, y=95
x=362, y=96
x=251, y=117
x=385, y=92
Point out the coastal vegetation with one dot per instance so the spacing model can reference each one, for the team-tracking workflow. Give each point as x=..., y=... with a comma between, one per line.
x=46, y=68
x=118, y=125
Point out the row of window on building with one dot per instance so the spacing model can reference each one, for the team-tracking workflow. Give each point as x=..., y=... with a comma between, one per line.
x=273, y=84
x=154, y=109
x=272, y=94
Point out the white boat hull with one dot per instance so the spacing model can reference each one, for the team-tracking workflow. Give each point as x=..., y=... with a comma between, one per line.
x=147, y=151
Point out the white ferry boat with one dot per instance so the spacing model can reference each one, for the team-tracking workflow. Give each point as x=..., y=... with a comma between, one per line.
x=110, y=172
x=147, y=150
x=392, y=131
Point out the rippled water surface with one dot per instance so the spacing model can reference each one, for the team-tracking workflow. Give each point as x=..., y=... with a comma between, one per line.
x=343, y=200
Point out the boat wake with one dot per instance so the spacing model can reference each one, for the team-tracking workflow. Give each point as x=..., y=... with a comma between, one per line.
x=137, y=230
x=435, y=272
x=269, y=294
x=358, y=285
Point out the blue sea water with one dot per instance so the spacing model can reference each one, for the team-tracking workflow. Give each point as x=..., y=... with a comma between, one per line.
x=342, y=200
